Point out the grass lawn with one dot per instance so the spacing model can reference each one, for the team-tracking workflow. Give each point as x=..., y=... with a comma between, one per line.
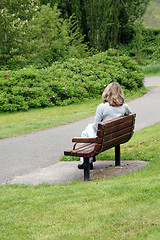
x=14, y=124
x=125, y=207
x=152, y=69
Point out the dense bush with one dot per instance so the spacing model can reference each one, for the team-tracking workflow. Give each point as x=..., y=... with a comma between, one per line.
x=149, y=49
x=67, y=82
x=151, y=45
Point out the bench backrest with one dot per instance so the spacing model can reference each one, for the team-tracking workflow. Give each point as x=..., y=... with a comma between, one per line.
x=114, y=132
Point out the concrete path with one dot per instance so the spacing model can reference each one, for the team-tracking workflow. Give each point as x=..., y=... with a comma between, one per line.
x=33, y=158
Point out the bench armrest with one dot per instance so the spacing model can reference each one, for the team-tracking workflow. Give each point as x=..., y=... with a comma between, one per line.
x=84, y=140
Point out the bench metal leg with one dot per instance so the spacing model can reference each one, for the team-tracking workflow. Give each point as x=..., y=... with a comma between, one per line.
x=86, y=170
x=117, y=155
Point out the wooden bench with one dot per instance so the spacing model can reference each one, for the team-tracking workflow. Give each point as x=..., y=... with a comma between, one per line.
x=110, y=134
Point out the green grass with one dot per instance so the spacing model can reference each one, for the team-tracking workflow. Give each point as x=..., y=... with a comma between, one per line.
x=125, y=207
x=152, y=69
x=14, y=124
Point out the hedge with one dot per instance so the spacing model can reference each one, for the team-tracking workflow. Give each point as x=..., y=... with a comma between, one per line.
x=67, y=82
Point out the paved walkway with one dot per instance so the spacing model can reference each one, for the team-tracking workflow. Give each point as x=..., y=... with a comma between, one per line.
x=33, y=158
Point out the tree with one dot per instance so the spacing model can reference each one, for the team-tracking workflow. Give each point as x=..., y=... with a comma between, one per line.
x=129, y=13
x=14, y=17
x=138, y=40
x=51, y=38
x=104, y=22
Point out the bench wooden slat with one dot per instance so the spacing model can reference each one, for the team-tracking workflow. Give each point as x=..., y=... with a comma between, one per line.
x=114, y=128
x=100, y=133
x=87, y=140
x=118, y=127
x=70, y=151
x=85, y=151
x=113, y=142
x=117, y=133
x=84, y=140
x=84, y=147
x=116, y=121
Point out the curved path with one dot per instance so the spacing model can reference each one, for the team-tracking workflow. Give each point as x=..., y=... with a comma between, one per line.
x=33, y=158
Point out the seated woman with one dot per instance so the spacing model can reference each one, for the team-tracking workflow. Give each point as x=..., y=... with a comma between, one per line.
x=113, y=106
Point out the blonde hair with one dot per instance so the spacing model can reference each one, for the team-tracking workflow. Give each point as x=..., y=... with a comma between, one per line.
x=113, y=94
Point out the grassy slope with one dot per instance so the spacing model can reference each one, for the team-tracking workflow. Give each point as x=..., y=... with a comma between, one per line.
x=125, y=207
x=152, y=69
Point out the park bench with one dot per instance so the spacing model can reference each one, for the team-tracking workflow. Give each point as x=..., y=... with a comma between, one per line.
x=110, y=134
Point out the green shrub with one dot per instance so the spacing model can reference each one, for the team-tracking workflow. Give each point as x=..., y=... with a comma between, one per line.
x=67, y=82
x=150, y=47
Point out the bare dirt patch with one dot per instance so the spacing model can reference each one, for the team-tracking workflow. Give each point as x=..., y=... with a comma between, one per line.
x=107, y=169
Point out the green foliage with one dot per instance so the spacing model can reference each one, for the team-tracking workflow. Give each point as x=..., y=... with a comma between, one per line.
x=18, y=123
x=105, y=22
x=67, y=82
x=151, y=45
x=152, y=69
x=138, y=40
x=14, y=17
x=37, y=35
x=145, y=45
x=47, y=37
x=152, y=15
